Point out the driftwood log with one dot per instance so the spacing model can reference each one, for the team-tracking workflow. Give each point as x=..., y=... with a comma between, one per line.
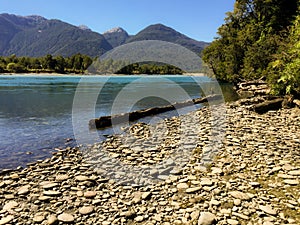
x=268, y=105
x=107, y=121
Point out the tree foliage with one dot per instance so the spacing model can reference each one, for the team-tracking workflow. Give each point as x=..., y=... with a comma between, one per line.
x=285, y=69
x=253, y=33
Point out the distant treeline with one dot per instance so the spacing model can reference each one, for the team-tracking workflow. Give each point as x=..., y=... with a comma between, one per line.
x=149, y=68
x=48, y=64
x=79, y=64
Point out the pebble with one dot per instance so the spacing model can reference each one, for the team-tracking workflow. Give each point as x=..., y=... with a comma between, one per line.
x=239, y=195
x=10, y=205
x=23, y=190
x=65, y=217
x=206, y=218
x=52, y=219
x=86, y=210
x=38, y=218
x=81, y=178
x=291, y=182
x=294, y=173
x=90, y=194
x=232, y=222
x=62, y=177
x=181, y=186
x=6, y=220
x=52, y=193
x=139, y=219
x=253, y=180
x=193, y=190
x=206, y=182
x=268, y=209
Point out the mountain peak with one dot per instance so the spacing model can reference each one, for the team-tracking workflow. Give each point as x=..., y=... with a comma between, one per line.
x=83, y=27
x=115, y=30
x=116, y=36
x=162, y=32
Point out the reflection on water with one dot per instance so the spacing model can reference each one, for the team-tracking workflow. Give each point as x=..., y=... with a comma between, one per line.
x=36, y=112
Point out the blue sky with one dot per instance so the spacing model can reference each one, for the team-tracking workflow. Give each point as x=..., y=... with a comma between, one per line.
x=198, y=19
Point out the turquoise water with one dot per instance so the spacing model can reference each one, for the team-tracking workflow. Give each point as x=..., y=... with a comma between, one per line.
x=36, y=111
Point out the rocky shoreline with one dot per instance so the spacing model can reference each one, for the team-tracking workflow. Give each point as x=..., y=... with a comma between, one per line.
x=253, y=177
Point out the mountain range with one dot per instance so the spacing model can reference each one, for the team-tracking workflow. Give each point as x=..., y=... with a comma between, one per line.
x=37, y=36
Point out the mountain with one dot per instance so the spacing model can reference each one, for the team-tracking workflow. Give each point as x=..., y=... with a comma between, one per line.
x=36, y=36
x=116, y=36
x=163, y=33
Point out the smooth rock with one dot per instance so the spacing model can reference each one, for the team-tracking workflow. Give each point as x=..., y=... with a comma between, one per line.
x=52, y=193
x=23, y=190
x=6, y=220
x=206, y=182
x=139, y=219
x=294, y=173
x=146, y=195
x=291, y=182
x=232, y=222
x=65, y=217
x=90, y=194
x=193, y=190
x=137, y=197
x=85, y=210
x=81, y=178
x=61, y=177
x=38, y=218
x=52, y=219
x=50, y=185
x=10, y=205
x=206, y=218
x=268, y=209
x=239, y=195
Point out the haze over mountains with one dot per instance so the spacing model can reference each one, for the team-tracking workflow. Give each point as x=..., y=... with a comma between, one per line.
x=36, y=36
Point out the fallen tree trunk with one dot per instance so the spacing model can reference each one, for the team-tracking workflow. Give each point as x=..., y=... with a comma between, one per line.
x=268, y=105
x=106, y=121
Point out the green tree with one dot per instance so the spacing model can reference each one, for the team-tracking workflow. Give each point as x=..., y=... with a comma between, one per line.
x=251, y=35
x=285, y=69
x=15, y=68
x=60, y=64
x=48, y=63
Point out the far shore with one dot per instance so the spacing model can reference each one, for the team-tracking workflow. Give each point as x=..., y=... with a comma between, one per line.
x=74, y=74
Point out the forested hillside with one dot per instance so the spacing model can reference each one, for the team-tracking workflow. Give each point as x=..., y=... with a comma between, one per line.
x=259, y=39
